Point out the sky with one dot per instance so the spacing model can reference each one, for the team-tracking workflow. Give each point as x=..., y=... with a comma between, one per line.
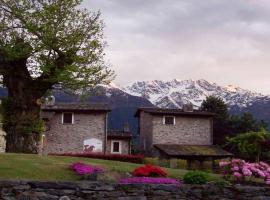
x=222, y=41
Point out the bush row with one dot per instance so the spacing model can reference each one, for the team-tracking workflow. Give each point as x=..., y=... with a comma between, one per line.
x=117, y=157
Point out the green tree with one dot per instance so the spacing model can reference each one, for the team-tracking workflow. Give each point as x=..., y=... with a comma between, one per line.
x=43, y=43
x=245, y=123
x=251, y=144
x=220, y=122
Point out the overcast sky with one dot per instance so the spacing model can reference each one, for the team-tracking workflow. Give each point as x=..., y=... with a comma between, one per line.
x=223, y=41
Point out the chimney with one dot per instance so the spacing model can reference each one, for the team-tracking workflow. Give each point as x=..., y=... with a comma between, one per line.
x=188, y=107
x=126, y=127
x=50, y=101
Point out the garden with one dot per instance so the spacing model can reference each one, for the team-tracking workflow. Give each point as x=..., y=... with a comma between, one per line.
x=234, y=171
x=137, y=169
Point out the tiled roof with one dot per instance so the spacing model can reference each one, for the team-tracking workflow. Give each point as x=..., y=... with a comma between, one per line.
x=76, y=107
x=175, y=150
x=116, y=134
x=47, y=115
x=162, y=111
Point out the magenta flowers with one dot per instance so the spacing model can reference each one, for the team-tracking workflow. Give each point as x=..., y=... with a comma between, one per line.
x=149, y=180
x=241, y=170
x=82, y=169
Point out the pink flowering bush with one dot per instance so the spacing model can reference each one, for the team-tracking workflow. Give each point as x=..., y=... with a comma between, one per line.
x=149, y=180
x=241, y=170
x=83, y=169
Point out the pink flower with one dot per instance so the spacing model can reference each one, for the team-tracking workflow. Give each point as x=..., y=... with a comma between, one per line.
x=261, y=174
x=237, y=175
x=235, y=168
x=263, y=164
x=239, y=169
x=81, y=168
x=246, y=172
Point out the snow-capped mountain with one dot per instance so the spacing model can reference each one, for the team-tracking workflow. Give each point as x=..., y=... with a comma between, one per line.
x=175, y=93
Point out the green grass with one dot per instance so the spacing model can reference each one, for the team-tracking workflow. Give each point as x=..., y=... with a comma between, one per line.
x=35, y=167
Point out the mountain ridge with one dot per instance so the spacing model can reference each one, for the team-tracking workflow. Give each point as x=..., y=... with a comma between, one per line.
x=175, y=93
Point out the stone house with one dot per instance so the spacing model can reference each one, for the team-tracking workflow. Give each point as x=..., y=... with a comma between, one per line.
x=78, y=127
x=119, y=142
x=175, y=133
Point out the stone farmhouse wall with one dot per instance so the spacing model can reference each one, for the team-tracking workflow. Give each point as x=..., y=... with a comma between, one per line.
x=187, y=130
x=62, y=138
x=124, y=146
x=36, y=190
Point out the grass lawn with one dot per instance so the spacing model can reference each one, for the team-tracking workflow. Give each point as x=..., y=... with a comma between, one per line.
x=35, y=167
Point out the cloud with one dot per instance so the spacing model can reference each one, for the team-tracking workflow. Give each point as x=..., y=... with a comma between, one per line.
x=223, y=41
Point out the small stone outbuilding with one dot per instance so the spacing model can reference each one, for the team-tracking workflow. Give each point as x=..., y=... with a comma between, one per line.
x=176, y=133
x=119, y=142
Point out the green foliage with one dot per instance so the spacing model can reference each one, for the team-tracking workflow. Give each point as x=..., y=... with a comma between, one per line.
x=245, y=123
x=215, y=105
x=251, y=143
x=220, y=122
x=226, y=125
x=196, y=177
x=61, y=42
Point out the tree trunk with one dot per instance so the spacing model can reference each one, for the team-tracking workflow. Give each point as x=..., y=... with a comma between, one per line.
x=22, y=121
x=21, y=111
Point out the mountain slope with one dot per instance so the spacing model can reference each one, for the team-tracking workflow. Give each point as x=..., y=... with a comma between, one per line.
x=175, y=93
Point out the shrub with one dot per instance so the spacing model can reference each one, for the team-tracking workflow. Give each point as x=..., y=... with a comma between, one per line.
x=152, y=161
x=195, y=177
x=149, y=180
x=241, y=171
x=149, y=170
x=117, y=157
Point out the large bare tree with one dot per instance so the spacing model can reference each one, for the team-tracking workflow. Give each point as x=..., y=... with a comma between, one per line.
x=43, y=43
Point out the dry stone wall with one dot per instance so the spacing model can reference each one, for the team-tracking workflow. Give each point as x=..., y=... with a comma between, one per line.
x=35, y=190
x=2, y=140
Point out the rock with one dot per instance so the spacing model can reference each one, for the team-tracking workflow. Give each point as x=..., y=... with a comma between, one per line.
x=53, y=185
x=64, y=198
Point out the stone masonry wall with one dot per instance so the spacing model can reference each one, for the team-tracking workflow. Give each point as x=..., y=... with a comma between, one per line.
x=187, y=130
x=2, y=140
x=70, y=137
x=124, y=146
x=35, y=190
x=146, y=131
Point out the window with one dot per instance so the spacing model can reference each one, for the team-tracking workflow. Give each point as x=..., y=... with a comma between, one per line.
x=169, y=120
x=67, y=118
x=116, y=147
